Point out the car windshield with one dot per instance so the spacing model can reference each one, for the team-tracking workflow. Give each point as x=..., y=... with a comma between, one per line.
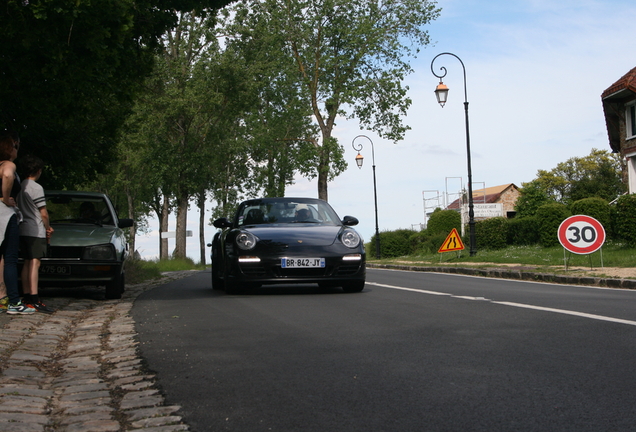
x=257, y=212
x=78, y=209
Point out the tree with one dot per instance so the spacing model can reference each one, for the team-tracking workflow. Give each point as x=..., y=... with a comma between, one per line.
x=70, y=71
x=532, y=195
x=277, y=129
x=597, y=175
x=350, y=59
x=182, y=126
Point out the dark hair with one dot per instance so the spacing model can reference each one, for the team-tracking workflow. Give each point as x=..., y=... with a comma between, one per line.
x=31, y=165
x=8, y=140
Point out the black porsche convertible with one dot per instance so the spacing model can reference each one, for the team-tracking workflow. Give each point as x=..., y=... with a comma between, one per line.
x=287, y=240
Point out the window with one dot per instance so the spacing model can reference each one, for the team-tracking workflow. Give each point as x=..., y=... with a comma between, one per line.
x=630, y=120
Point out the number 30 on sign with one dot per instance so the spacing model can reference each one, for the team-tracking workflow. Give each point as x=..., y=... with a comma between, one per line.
x=581, y=234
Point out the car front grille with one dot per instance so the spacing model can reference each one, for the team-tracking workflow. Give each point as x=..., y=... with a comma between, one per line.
x=253, y=270
x=348, y=269
x=300, y=272
x=262, y=270
x=65, y=252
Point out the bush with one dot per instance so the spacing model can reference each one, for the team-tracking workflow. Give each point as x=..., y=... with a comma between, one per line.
x=598, y=208
x=433, y=243
x=550, y=217
x=625, y=219
x=392, y=243
x=523, y=231
x=491, y=233
x=443, y=221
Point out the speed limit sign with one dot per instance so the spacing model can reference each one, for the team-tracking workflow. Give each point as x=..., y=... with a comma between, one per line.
x=581, y=234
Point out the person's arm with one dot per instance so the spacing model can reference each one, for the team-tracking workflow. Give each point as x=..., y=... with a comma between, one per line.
x=8, y=177
x=45, y=220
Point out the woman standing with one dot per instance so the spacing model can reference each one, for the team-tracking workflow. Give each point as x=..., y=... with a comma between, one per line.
x=9, y=220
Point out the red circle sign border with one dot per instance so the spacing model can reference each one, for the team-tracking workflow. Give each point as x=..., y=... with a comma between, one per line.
x=588, y=249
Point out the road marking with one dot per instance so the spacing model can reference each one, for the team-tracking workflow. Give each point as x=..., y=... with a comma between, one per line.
x=568, y=312
x=519, y=305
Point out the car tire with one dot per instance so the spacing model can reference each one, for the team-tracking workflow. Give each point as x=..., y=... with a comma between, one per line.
x=353, y=287
x=115, y=289
x=217, y=281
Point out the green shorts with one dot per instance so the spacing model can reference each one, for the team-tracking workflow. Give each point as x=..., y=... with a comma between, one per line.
x=32, y=247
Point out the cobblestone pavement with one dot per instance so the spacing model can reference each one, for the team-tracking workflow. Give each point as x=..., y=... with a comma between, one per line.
x=78, y=369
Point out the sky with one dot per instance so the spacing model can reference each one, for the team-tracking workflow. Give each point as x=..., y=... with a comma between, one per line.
x=535, y=71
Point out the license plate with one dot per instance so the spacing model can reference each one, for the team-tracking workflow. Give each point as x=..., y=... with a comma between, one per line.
x=302, y=262
x=55, y=269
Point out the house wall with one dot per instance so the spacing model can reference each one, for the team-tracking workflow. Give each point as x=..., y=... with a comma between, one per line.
x=509, y=198
x=628, y=149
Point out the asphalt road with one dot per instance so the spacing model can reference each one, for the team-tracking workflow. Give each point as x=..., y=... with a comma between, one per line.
x=412, y=352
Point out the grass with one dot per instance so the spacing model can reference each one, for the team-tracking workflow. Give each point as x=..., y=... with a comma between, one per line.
x=610, y=255
x=138, y=271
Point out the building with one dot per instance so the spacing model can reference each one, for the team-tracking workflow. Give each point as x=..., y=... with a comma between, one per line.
x=505, y=196
x=619, y=107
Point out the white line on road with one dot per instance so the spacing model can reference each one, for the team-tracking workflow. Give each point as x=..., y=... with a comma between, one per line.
x=519, y=305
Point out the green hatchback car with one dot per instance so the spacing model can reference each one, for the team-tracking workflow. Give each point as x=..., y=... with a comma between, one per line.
x=88, y=246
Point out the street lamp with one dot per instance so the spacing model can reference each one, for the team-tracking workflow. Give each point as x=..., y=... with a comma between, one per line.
x=359, y=159
x=442, y=95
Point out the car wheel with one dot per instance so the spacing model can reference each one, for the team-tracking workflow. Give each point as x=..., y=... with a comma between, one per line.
x=353, y=287
x=217, y=282
x=115, y=288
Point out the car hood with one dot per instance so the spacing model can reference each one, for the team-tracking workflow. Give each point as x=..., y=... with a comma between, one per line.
x=82, y=235
x=307, y=234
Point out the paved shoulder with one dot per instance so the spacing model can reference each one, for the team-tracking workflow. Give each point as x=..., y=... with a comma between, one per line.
x=79, y=369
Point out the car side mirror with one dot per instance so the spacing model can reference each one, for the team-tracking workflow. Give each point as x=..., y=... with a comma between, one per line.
x=125, y=223
x=349, y=221
x=222, y=223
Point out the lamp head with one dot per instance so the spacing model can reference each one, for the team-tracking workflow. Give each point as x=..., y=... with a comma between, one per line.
x=442, y=93
x=359, y=160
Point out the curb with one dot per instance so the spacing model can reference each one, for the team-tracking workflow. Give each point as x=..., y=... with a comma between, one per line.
x=504, y=273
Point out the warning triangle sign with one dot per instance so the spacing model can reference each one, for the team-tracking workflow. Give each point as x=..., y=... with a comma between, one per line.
x=452, y=243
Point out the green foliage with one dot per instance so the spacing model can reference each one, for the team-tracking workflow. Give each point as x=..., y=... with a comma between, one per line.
x=434, y=242
x=550, y=217
x=421, y=242
x=348, y=54
x=523, y=231
x=491, y=233
x=598, y=208
x=392, y=243
x=138, y=271
x=532, y=195
x=70, y=70
x=625, y=219
x=597, y=175
x=443, y=222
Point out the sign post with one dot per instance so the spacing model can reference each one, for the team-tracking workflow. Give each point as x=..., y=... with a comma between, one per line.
x=582, y=235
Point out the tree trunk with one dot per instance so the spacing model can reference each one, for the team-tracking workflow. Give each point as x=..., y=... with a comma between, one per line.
x=133, y=229
x=324, y=164
x=163, y=227
x=202, y=244
x=182, y=219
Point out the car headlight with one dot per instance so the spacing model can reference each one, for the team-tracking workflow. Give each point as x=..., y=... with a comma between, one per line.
x=246, y=240
x=105, y=252
x=350, y=238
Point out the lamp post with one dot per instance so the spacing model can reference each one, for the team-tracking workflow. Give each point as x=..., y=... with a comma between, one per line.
x=359, y=160
x=442, y=95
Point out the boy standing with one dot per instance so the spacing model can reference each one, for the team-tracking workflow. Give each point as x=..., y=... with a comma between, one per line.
x=34, y=231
